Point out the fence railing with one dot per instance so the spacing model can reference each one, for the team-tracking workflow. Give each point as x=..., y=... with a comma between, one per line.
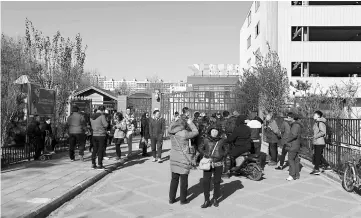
x=345, y=145
x=25, y=152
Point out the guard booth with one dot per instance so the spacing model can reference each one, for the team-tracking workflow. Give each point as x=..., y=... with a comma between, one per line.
x=91, y=98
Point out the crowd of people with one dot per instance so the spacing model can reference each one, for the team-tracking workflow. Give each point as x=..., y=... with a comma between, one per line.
x=215, y=143
x=217, y=137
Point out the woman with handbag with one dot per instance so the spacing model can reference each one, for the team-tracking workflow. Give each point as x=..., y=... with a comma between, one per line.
x=180, y=158
x=214, y=150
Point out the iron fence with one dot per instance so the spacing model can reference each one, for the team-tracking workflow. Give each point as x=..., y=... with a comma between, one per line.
x=25, y=152
x=203, y=101
x=345, y=141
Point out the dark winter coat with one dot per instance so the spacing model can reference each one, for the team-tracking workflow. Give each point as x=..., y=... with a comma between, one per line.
x=156, y=127
x=207, y=146
x=241, y=135
x=34, y=130
x=144, y=130
x=294, y=139
x=285, y=132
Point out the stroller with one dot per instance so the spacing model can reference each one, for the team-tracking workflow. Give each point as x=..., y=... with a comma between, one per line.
x=47, y=155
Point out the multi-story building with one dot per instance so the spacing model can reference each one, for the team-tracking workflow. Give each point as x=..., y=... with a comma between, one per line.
x=101, y=80
x=318, y=41
x=213, y=77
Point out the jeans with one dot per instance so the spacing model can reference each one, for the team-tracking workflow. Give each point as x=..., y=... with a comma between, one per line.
x=130, y=144
x=118, y=142
x=294, y=161
x=157, y=144
x=283, y=155
x=174, y=186
x=76, y=139
x=98, y=149
x=207, y=175
x=273, y=152
x=318, y=155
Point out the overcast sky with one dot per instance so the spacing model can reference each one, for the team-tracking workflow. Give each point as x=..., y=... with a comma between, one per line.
x=139, y=39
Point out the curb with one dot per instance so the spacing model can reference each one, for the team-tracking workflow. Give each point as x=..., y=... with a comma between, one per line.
x=48, y=208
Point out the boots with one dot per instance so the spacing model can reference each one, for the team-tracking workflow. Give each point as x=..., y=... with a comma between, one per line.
x=215, y=202
x=207, y=203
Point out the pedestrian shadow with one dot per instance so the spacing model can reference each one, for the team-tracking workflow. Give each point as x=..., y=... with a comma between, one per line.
x=195, y=190
x=165, y=158
x=230, y=188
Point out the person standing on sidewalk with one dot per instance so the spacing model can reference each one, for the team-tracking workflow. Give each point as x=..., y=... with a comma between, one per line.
x=293, y=146
x=91, y=132
x=99, y=125
x=76, y=126
x=180, y=158
x=35, y=136
x=119, y=133
x=319, y=144
x=144, y=133
x=273, y=135
x=213, y=147
x=285, y=132
x=156, y=132
x=131, y=127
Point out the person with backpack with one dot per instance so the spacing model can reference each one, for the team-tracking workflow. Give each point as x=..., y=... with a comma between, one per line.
x=319, y=142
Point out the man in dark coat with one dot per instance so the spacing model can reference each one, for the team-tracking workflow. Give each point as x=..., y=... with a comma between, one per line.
x=241, y=140
x=36, y=136
x=156, y=132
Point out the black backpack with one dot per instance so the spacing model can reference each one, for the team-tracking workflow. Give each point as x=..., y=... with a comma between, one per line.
x=329, y=132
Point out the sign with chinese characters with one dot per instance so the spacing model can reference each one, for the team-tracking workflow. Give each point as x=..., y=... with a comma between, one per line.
x=219, y=69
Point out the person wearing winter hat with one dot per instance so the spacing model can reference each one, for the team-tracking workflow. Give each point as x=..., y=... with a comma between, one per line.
x=241, y=140
x=213, y=147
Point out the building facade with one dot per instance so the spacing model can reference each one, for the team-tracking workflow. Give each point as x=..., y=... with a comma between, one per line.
x=318, y=41
x=135, y=86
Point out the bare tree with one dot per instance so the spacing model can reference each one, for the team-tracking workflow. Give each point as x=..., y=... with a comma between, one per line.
x=123, y=89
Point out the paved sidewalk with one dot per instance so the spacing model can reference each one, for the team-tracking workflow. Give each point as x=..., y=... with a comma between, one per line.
x=141, y=191
x=27, y=187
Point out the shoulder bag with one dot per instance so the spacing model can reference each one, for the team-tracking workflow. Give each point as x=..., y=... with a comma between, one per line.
x=205, y=163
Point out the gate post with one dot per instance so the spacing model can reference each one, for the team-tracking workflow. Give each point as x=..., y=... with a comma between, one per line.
x=121, y=103
x=155, y=103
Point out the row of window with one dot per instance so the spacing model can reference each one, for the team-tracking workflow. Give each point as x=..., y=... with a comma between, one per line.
x=249, y=16
x=324, y=3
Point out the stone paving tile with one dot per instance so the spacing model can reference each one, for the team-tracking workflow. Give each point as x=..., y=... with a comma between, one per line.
x=141, y=190
x=302, y=211
x=331, y=205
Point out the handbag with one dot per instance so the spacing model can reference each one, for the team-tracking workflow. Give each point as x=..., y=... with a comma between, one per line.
x=205, y=163
x=189, y=161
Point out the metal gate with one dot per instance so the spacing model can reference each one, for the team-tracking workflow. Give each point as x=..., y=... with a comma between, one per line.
x=202, y=101
x=139, y=103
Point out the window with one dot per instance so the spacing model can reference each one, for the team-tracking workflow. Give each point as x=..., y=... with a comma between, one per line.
x=249, y=18
x=256, y=5
x=326, y=33
x=249, y=42
x=257, y=30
